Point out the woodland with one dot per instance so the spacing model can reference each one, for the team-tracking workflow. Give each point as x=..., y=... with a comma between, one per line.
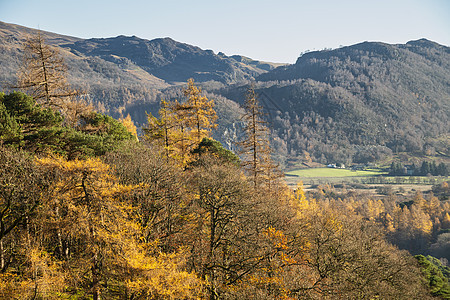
x=360, y=104
x=89, y=209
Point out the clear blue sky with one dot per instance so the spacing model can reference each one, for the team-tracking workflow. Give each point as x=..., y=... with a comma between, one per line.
x=271, y=30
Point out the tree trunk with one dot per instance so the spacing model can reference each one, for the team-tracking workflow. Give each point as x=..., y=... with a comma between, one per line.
x=2, y=256
x=96, y=291
x=212, y=295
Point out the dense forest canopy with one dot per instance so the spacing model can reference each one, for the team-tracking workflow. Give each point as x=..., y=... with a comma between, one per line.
x=91, y=210
x=340, y=105
x=126, y=220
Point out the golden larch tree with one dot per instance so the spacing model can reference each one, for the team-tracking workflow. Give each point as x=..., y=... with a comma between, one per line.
x=170, y=130
x=200, y=113
x=255, y=147
x=181, y=126
x=129, y=125
x=43, y=73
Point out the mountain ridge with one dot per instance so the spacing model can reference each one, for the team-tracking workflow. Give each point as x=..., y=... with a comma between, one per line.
x=354, y=103
x=130, y=74
x=353, y=99
x=170, y=60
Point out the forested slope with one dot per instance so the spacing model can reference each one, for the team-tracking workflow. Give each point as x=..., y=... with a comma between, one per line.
x=125, y=75
x=90, y=212
x=360, y=102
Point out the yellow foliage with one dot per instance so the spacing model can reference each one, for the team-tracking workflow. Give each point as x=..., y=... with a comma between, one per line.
x=90, y=196
x=421, y=220
x=299, y=202
x=374, y=209
x=446, y=220
x=181, y=126
x=47, y=275
x=42, y=278
x=278, y=238
x=91, y=165
x=129, y=125
x=80, y=175
x=13, y=286
x=300, y=197
x=420, y=201
x=287, y=259
x=159, y=276
x=433, y=206
x=389, y=223
x=201, y=115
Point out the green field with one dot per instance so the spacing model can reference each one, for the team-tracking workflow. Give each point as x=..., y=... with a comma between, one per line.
x=330, y=172
x=314, y=176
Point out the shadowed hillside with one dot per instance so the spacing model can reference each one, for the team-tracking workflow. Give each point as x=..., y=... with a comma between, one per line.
x=359, y=103
x=124, y=75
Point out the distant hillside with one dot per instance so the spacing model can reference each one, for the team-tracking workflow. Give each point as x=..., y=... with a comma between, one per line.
x=169, y=60
x=126, y=74
x=112, y=87
x=11, y=41
x=359, y=103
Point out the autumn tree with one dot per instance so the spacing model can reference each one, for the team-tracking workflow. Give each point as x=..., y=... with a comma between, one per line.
x=226, y=233
x=159, y=196
x=43, y=73
x=200, y=113
x=218, y=193
x=128, y=123
x=181, y=126
x=165, y=130
x=231, y=233
x=255, y=146
x=348, y=258
x=101, y=240
x=43, y=77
